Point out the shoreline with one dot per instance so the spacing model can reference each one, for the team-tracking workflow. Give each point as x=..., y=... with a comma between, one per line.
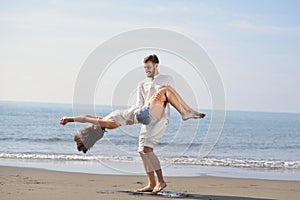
x=30, y=183
x=136, y=169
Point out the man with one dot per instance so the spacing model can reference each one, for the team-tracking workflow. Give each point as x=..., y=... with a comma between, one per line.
x=150, y=135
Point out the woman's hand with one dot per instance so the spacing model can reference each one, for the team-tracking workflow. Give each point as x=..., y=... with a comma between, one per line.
x=63, y=121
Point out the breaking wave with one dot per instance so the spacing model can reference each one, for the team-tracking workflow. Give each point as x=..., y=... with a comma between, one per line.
x=271, y=164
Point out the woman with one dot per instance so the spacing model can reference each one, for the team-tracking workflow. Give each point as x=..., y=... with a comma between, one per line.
x=149, y=114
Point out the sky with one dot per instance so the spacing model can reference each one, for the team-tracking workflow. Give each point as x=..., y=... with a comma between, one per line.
x=254, y=45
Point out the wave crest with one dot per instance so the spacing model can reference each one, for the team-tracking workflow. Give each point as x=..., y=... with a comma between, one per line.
x=273, y=164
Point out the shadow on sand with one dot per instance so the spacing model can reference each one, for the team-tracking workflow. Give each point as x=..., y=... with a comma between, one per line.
x=190, y=196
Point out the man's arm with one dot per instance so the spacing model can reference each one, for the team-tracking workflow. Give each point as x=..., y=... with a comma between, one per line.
x=140, y=95
x=171, y=82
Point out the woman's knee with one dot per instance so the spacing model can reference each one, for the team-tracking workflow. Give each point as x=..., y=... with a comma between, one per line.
x=161, y=95
x=163, y=89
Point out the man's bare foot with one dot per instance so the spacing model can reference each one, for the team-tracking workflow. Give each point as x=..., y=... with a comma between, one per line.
x=159, y=187
x=147, y=188
x=64, y=120
x=192, y=114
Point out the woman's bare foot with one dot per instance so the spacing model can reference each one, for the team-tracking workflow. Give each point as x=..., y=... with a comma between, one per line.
x=64, y=120
x=192, y=114
x=147, y=188
x=159, y=187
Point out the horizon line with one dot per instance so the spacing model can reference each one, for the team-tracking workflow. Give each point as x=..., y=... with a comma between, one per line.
x=235, y=110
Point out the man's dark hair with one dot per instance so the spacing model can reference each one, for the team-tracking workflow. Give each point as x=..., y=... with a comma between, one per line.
x=153, y=58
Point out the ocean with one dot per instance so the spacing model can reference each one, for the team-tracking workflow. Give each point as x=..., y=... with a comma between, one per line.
x=251, y=142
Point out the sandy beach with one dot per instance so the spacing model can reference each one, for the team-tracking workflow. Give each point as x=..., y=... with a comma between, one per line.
x=26, y=183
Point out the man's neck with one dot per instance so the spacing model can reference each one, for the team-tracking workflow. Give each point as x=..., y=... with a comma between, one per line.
x=155, y=76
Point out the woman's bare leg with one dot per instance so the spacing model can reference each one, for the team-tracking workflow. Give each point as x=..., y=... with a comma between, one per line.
x=157, y=103
x=98, y=121
x=169, y=95
x=182, y=103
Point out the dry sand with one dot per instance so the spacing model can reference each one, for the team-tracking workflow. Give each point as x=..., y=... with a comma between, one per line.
x=31, y=184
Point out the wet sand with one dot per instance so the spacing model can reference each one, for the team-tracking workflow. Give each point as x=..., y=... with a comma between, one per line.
x=25, y=183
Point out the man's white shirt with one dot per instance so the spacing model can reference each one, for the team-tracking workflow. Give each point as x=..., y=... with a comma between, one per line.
x=144, y=91
x=151, y=135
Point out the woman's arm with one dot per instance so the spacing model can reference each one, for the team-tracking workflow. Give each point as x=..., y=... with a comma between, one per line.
x=97, y=121
x=81, y=119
